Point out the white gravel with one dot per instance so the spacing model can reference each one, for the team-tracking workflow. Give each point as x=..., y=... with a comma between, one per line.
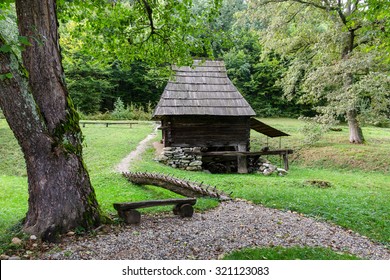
x=232, y=225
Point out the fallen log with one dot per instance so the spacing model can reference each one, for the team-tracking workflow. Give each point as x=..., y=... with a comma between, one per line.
x=176, y=185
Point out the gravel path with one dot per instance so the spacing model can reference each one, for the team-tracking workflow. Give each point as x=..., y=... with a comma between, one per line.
x=232, y=225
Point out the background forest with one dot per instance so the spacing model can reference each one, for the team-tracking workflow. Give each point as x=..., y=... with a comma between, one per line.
x=325, y=60
x=97, y=84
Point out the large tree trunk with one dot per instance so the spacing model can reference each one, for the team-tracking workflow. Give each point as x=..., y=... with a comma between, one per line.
x=41, y=115
x=355, y=131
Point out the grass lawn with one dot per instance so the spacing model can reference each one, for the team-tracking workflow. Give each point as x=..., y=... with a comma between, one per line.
x=293, y=253
x=358, y=199
x=355, y=200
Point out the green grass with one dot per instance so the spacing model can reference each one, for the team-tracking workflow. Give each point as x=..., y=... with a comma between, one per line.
x=333, y=150
x=355, y=200
x=293, y=253
x=358, y=199
x=105, y=147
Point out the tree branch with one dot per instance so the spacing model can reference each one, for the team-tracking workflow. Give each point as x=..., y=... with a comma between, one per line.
x=327, y=7
x=301, y=2
x=339, y=10
x=149, y=12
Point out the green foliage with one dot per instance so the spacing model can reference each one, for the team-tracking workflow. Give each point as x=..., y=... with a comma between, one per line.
x=94, y=80
x=122, y=112
x=95, y=84
x=153, y=31
x=377, y=13
x=293, y=253
x=312, y=131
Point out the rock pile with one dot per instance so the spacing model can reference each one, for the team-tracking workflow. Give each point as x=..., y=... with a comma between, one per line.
x=183, y=158
x=267, y=168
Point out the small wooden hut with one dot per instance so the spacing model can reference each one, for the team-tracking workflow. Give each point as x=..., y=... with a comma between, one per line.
x=200, y=107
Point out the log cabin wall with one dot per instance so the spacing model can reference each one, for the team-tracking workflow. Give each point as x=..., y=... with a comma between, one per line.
x=206, y=131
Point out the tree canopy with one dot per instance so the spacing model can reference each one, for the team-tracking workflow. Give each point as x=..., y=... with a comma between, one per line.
x=337, y=56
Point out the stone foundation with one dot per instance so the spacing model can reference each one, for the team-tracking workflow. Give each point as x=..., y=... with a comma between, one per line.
x=182, y=158
x=189, y=159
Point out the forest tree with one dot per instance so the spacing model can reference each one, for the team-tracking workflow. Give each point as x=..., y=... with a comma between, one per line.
x=335, y=63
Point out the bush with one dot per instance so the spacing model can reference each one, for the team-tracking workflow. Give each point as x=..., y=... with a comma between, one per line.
x=312, y=132
x=122, y=112
x=141, y=113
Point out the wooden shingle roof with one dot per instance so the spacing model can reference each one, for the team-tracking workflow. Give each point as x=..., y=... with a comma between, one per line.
x=203, y=89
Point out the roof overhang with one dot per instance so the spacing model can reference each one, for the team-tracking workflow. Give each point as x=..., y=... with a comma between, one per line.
x=266, y=129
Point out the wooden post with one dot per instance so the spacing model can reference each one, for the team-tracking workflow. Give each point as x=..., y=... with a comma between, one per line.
x=131, y=216
x=186, y=210
x=285, y=159
x=242, y=167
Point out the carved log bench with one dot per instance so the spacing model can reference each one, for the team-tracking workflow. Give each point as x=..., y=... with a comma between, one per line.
x=128, y=212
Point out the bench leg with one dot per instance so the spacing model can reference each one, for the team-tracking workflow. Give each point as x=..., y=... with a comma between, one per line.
x=176, y=209
x=186, y=210
x=130, y=216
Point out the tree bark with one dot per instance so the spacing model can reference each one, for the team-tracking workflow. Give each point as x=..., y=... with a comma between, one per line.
x=42, y=117
x=355, y=131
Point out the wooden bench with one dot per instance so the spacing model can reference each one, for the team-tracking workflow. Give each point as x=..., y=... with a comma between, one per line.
x=107, y=123
x=128, y=212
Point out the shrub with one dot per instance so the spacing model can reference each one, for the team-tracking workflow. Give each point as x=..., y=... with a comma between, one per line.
x=122, y=112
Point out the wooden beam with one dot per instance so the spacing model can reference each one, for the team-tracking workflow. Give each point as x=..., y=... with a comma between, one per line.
x=243, y=153
x=150, y=203
x=242, y=167
x=107, y=123
x=285, y=160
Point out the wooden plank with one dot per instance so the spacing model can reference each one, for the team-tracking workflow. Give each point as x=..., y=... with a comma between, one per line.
x=150, y=203
x=242, y=167
x=285, y=160
x=106, y=123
